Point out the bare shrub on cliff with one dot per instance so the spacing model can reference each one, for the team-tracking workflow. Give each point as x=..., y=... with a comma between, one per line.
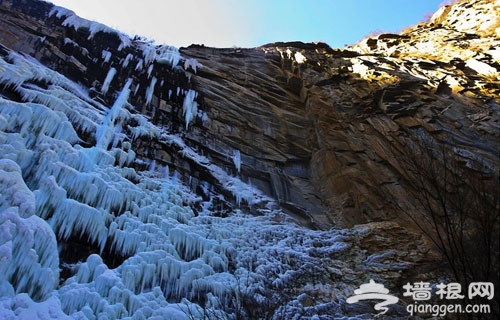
x=457, y=207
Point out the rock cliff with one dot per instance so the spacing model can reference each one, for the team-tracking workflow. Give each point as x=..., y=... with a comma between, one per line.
x=325, y=135
x=327, y=127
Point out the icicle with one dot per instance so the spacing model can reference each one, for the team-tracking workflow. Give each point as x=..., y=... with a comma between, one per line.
x=150, y=90
x=127, y=60
x=193, y=63
x=28, y=250
x=144, y=128
x=17, y=115
x=105, y=131
x=15, y=193
x=150, y=70
x=107, y=81
x=106, y=55
x=237, y=160
x=189, y=107
x=52, y=204
x=77, y=111
x=189, y=245
x=152, y=166
x=170, y=55
x=149, y=53
x=204, y=117
x=139, y=65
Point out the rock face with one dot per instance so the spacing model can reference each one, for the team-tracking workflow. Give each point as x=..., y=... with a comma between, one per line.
x=325, y=135
x=323, y=131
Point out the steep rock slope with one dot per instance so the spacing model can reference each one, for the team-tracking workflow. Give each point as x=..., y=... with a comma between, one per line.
x=180, y=169
x=323, y=131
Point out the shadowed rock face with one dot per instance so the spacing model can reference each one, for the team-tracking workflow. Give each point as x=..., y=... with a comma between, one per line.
x=325, y=135
x=319, y=130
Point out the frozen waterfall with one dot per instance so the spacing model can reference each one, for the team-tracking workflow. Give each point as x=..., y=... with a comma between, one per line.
x=69, y=173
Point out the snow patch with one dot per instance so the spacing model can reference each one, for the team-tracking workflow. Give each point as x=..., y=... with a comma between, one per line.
x=299, y=57
x=481, y=67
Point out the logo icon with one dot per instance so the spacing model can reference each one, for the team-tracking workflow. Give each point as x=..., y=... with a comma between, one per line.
x=374, y=291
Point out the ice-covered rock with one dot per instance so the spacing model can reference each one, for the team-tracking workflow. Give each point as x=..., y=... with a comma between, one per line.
x=187, y=183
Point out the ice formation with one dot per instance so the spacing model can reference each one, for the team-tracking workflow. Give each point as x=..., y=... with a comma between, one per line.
x=72, y=20
x=106, y=131
x=68, y=170
x=107, y=80
x=191, y=63
x=237, y=160
x=168, y=54
x=127, y=60
x=150, y=90
x=106, y=55
x=189, y=106
x=28, y=250
x=163, y=54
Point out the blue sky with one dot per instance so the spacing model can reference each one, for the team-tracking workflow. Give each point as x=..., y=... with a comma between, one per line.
x=250, y=23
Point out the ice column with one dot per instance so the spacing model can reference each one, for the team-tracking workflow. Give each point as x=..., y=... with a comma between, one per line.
x=237, y=160
x=150, y=90
x=105, y=131
x=189, y=107
x=107, y=81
